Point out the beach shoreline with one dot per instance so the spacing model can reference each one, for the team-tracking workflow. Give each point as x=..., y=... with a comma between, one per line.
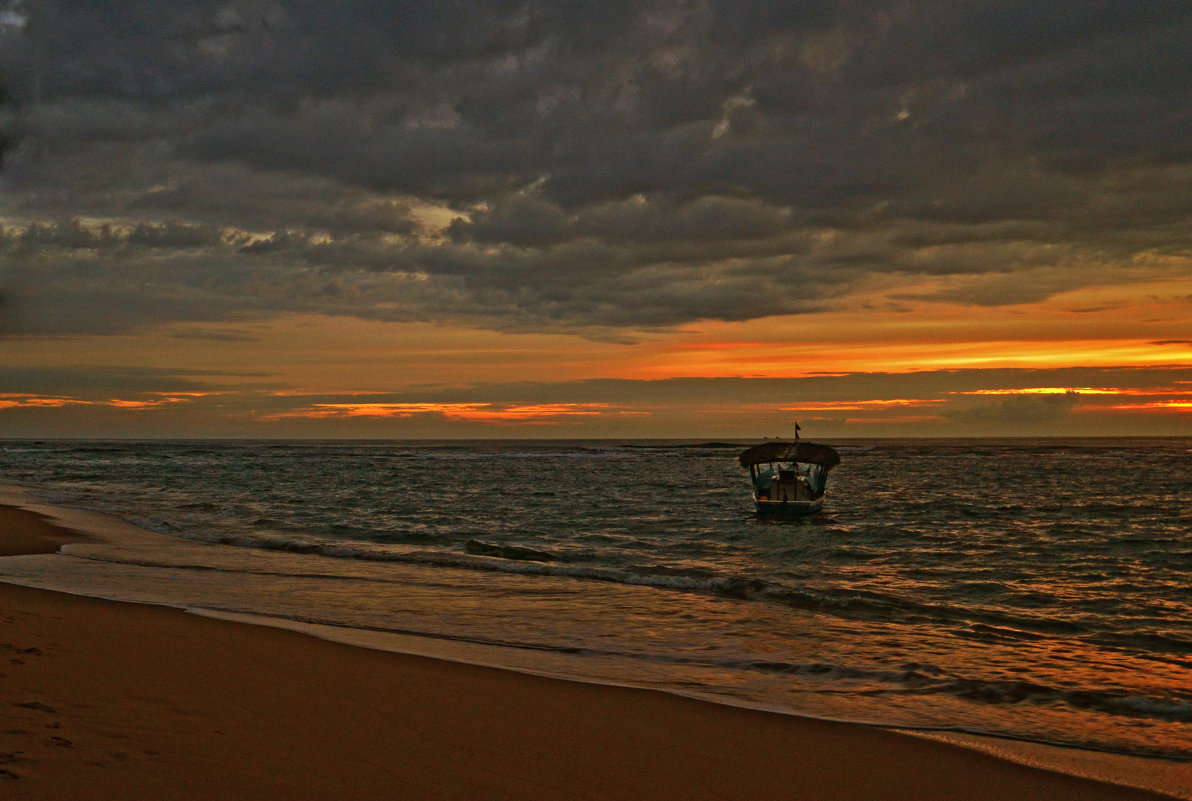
x=114, y=700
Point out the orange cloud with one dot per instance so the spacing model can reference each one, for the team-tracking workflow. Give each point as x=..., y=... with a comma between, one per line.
x=1042, y=391
x=531, y=412
x=461, y=412
x=1066, y=390
x=860, y=405
x=383, y=409
x=12, y=400
x=1152, y=406
x=798, y=351
x=136, y=404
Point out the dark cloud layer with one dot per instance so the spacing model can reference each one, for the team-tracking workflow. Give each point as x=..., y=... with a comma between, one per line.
x=105, y=382
x=609, y=165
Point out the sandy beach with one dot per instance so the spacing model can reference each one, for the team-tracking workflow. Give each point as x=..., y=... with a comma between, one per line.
x=112, y=700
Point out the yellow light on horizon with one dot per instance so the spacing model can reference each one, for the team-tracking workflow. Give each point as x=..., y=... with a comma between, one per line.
x=797, y=359
x=1153, y=406
x=858, y=405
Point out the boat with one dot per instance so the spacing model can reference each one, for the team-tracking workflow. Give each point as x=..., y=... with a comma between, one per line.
x=789, y=477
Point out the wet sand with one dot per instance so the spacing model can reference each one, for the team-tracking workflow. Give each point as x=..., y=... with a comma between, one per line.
x=105, y=700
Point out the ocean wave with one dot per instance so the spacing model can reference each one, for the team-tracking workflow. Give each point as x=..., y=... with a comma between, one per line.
x=519, y=553
x=964, y=618
x=1113, y=702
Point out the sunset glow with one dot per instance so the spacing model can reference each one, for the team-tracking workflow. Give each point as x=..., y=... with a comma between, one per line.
x=1184, y=406
x=519, y=240
x=471, y=412
x=784, y=360
x=858, y=405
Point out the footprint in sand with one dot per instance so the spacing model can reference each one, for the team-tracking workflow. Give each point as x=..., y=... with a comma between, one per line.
x=36, y=706
x=10, y=758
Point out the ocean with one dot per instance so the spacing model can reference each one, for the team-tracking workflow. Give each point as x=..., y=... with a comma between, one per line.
x=1034, y=591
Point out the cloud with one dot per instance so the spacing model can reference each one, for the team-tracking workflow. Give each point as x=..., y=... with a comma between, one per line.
x=72, y=235
x=1018, y=410
x=103, y=383
x=527, y=219
x=611, y=166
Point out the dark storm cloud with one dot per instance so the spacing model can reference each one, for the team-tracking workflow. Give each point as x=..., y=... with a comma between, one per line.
x=609, y=165
x=11, y=23
x=7, y=135
x=231, y=195
x=107, y=382
x=73, y=235
x=529, y=220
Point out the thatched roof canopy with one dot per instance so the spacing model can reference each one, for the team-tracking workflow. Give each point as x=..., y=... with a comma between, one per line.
x=779, y=451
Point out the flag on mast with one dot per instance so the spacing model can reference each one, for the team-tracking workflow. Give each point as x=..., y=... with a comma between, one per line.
x=797, y=429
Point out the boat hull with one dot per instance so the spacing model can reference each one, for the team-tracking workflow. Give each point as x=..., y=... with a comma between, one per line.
x=789, y=508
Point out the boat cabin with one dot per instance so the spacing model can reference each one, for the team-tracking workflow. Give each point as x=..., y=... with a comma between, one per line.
x=789, y=477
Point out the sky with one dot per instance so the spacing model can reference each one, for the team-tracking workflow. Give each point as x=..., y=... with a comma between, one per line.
x=659, y=218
